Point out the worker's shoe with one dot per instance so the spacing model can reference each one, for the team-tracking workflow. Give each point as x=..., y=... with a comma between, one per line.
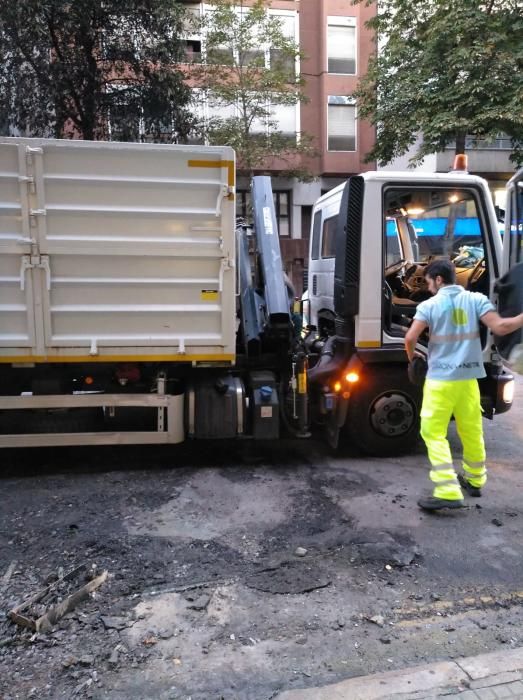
x=474, y=491
x=434, y=503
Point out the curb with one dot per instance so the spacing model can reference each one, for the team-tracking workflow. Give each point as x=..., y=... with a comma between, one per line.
x=430, y=680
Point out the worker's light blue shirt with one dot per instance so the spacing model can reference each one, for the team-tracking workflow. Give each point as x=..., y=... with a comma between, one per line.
x=452, y=316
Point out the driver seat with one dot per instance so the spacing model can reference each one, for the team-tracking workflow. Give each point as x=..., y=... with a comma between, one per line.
x=397, y=309
x=403, y=307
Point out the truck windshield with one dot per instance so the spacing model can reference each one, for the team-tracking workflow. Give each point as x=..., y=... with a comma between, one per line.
x=441, y=223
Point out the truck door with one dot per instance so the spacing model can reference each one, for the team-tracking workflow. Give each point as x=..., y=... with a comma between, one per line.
x=17, y=253
x=510, y=285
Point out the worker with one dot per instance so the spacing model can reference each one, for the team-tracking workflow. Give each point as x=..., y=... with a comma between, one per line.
x=455, y=364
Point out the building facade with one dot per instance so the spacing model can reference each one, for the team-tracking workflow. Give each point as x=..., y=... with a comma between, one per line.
x=336, y=46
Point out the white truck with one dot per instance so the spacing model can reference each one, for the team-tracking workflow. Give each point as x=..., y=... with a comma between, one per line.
x=371, y=239
x=133, y=308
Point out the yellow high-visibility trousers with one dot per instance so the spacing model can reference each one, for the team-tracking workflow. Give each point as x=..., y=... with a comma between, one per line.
x=441, y=401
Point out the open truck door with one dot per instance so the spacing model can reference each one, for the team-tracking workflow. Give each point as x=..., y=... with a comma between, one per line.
x=510, y=286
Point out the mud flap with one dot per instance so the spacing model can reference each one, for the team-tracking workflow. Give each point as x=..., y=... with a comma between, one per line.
x=336, y=420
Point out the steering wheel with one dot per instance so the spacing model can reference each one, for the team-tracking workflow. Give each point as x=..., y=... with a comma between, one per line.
x=395, y=268
x=477, y=272
x=410, y=271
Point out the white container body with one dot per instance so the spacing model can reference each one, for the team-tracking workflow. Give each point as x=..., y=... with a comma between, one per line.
x=116, y=252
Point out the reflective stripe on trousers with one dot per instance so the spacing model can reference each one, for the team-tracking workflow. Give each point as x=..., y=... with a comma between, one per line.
x=442, y=400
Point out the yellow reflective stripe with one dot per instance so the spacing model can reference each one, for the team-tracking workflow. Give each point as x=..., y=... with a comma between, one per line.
x=442, y=467
x=453, y=337
x=204, y=357
x=229, y=164
x=473, y=465
x=477, y=471
x=368, y=344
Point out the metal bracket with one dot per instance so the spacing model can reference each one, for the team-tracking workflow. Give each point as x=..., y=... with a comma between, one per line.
x=226, y=264
x=33, y=213
x=29, y=180
x=225, y=192
x=24, y=266
x=30, y=262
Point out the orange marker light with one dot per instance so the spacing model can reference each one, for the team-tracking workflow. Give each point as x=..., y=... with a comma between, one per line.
x=89, y=380
x=337, y=387
x=352, y=377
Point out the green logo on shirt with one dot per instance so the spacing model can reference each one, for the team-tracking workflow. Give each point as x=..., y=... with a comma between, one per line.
x=459, y=317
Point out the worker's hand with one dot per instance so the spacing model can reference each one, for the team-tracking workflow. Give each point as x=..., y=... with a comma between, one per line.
x=417, y=369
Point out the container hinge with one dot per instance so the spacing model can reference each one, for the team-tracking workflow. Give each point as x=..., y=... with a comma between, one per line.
x=29, y=180
x=30, y=152
x=33, y=213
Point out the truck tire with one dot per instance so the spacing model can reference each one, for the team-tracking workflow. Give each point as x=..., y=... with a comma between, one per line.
x=383, y=413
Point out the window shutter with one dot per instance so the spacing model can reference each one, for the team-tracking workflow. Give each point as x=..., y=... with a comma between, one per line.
x=342, y=127
x=341, y=46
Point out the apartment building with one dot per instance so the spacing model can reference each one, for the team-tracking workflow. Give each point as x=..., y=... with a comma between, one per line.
x=336, y=45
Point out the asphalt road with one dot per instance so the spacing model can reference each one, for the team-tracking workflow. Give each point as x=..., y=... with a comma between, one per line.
x=209, y=595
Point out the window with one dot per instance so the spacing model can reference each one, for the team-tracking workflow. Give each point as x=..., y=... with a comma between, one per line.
x=436, y=223
x=283, y=215
x=281, y=205
x=316, y=231
x=516, y=224
x=393, y=251
x=341, y=120
x=328, y=239
x=341, y=45
x=279, y=61
x=284, y=117
x=193, y=42
x=264, y=55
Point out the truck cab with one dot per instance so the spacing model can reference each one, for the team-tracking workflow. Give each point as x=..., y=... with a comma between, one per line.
x=370, y=279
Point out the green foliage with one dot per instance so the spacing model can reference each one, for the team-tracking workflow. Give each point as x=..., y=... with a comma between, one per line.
x=94, y=68
x=234, y=77
x=445, y=69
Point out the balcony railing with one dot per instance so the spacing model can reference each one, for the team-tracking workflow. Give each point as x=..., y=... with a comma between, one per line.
x=501, y=143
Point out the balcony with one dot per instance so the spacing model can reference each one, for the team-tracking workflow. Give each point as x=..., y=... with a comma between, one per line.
x=484, y=157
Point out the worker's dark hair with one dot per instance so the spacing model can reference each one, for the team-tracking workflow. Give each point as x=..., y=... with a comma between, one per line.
x=444, y=268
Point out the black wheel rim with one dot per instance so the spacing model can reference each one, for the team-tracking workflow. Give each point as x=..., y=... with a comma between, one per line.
x=393, y=414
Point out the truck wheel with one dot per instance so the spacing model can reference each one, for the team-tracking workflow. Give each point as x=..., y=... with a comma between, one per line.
x=383, y=413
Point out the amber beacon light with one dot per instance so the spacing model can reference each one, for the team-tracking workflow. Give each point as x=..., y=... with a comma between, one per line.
x=460, y=163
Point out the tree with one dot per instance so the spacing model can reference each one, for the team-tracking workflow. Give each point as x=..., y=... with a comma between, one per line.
x=94, y=69
x=444, y=69
x=248, y=71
